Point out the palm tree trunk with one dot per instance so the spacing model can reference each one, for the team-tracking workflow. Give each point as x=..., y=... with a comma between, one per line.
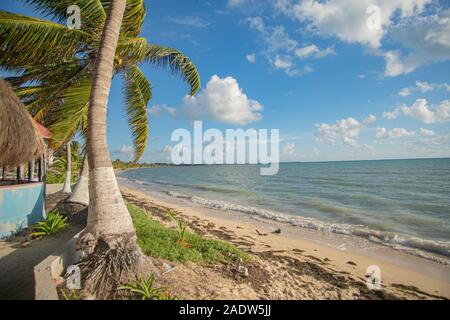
x=110, y=238
x=67, y=183
x=81, y=192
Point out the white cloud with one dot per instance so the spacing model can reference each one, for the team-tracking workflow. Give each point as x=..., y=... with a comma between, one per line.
x=275, y=38
x=426, y=132
x=191, y=21
x=422, y=35
x=425, y=40
x=166, y=150
x=420, y=110
x=345, y=131
x=391, y=114
x=285, y=63
x=251, y=58
x=314, y=51
x=289, y=149
x=224, y=101
x=125, y=150
x=257, y=23
x=307, y=51
x=299, y=73
x=347, y=20
x=423, y=87
x=395, y=133
x=405, y=92
x=282, y=62
x=370, y=119
x=158, y=109
x=395, y=65
x=280, y=48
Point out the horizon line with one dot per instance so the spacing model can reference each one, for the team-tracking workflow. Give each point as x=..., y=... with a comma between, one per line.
x=318, y=161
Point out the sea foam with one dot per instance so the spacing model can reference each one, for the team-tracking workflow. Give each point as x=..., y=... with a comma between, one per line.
x=412, y=245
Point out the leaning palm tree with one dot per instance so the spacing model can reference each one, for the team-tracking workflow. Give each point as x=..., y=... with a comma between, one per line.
x=110, y=234
x=56, y=65
x=44, y=51
x=56, y=62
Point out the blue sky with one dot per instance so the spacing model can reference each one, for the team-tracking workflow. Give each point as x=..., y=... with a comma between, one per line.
x=336, y=89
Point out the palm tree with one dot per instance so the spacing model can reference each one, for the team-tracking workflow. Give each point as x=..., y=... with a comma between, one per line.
x=80, y=193
x=109, y=223
x=67, y=188
x=44, y=51
x=56, y=65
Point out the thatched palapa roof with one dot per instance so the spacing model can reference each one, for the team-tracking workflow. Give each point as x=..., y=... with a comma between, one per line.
x=20, y=140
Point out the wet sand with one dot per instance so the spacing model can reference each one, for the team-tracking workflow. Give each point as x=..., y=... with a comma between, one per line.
x=296, y=263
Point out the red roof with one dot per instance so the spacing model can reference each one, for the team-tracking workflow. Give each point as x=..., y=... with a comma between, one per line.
x=43, y=131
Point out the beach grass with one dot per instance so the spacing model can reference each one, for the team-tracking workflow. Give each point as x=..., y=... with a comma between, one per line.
x=158, y=240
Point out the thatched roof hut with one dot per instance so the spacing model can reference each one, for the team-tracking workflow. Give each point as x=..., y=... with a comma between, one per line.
x=20, y=140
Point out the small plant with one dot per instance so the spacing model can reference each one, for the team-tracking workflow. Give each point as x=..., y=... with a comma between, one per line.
x=182, y=228
x=53, y=223
x=145, y=289
x=70, y=294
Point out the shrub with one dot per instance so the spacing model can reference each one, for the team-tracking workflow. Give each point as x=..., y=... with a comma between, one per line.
x=144, y=288
x=181, y=226
x=157, y=240
x=53, y=223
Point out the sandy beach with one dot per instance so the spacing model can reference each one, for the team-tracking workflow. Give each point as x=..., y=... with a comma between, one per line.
x=295, y=263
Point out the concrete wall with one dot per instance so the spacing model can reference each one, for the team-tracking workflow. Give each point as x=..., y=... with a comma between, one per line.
x=54, y=266
x=20, y=206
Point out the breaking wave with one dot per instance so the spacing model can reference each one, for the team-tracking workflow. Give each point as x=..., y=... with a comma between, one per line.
x=412, y=245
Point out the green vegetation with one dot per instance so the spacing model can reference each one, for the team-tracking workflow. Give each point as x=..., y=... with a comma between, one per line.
x=157, y=240
x=70, y=294
x=56, y=173
x=122, y=165
x=54, y=223
x=182, y=228
x=144, y=289
x=55, y=63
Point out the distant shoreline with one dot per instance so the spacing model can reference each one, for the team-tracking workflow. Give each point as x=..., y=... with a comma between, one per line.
x=158, y=165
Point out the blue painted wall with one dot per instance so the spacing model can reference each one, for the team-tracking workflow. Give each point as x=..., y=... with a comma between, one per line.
x=20, y=207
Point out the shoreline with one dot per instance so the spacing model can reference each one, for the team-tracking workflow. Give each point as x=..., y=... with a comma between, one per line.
x=433, y=249
x=398, y=269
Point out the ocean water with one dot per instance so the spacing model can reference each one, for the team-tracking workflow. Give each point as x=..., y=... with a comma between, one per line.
x=404, y=204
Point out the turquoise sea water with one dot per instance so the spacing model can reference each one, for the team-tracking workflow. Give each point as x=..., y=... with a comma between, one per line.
x=400, y=203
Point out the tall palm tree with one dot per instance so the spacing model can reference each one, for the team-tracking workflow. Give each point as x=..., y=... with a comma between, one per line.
x=56, y=65
x=110, y=234
x=80, y=193
x=44, y=51
x=67, y=187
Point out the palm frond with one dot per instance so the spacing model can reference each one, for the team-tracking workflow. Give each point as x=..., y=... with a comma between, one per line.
x=48, y=73
x=93, y=15
x=137, y=94
x=132, y=50
x=25, y=40
x=133, y=17
x=71, y=116
x=178, y=63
